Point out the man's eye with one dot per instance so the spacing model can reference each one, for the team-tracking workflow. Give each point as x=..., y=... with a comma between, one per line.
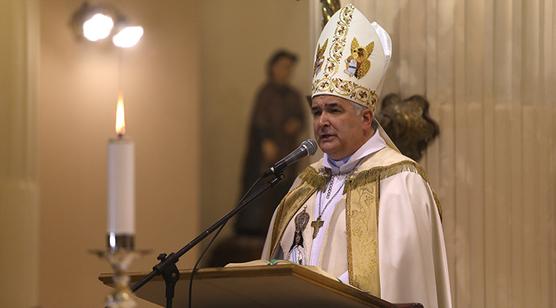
x=316, y=112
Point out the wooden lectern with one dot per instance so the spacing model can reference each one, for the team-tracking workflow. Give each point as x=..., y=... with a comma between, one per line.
x=259, y=286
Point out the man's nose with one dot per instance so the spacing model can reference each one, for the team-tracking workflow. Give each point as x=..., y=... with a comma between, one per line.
x=323, y=119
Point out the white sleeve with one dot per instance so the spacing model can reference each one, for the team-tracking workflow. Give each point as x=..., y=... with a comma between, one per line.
x=412, y=255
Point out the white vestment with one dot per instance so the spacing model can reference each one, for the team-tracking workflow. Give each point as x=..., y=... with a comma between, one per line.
x=411, y=252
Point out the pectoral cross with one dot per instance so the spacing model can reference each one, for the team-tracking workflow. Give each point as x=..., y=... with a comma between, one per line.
x=316, y=224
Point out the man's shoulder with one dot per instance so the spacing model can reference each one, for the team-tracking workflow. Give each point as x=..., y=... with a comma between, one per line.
x=316, y=165
x=380, y=160
x=387, y=163
x=384, y=158
x=382, y=164
x=312, y=175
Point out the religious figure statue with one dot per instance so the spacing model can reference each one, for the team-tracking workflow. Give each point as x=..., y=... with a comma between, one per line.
x=277, y=123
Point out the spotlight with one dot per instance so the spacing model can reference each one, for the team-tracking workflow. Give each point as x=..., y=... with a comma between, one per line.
x=128, y=36
x=98, y=22
x=98, y=27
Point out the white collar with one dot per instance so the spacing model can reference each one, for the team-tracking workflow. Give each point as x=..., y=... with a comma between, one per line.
x=373, y=145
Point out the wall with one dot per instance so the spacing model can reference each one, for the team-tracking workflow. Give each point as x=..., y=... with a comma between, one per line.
x=488, y=67
x=79, y=83
x=19, y=206
x=237, y=42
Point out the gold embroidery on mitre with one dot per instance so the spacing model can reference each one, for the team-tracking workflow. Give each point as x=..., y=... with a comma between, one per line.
x=358, y=63
x=347, y=89
x=338, y=41
x=319, y=58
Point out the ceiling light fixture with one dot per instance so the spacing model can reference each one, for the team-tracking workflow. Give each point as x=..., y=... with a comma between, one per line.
x=128, y=37
x=96, y=23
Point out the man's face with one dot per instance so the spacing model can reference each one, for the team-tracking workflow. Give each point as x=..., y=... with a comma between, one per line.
x=339, y=127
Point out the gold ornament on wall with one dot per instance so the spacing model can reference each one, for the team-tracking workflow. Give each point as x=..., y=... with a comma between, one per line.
x=329, y=7
x=408, y=123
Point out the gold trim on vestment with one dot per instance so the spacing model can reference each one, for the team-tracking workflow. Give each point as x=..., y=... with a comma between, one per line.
x=438, y=205
x=314, y=178
x=362, y=208
x=362, y=237
x=367, y=176
x=293, y=201
x=387, y=171
x=362, y=191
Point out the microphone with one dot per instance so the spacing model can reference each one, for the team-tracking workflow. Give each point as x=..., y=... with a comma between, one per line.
x=306, y=148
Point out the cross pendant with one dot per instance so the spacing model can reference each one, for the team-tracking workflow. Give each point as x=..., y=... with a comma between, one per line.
x=316, y=224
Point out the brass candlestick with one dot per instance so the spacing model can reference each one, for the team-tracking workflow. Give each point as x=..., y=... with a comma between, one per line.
x=120, y=253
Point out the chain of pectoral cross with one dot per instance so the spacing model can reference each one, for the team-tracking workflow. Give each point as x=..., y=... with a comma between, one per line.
x=329, y=190
x=318, y=223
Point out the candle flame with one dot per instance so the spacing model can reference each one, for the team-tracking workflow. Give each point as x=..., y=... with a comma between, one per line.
x=120, y=116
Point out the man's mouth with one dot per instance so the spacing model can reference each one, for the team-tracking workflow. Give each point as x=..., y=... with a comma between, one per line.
x=325, y=137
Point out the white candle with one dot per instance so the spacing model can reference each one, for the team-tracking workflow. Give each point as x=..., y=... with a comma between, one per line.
x=121, y=180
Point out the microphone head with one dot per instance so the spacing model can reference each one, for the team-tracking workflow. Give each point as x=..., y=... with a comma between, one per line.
x=310, y=145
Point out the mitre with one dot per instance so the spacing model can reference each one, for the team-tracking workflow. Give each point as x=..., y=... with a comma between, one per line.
x=351, y=58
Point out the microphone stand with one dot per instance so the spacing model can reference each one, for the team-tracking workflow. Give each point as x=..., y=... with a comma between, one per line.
x=167, y=265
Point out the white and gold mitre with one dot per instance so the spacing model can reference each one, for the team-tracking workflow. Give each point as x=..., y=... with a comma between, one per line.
x=351, y=58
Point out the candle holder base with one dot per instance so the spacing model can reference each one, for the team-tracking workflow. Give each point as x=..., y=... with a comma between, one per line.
x=120, y=260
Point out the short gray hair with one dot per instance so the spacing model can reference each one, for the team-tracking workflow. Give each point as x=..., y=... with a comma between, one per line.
x=358, y=108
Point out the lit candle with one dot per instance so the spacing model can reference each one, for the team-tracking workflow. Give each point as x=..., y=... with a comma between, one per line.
x=121, y=186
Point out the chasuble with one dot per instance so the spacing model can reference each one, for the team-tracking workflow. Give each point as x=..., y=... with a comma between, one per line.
x=382, y=233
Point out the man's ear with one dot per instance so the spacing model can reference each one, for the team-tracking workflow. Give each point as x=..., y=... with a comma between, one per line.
x=367, y=115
